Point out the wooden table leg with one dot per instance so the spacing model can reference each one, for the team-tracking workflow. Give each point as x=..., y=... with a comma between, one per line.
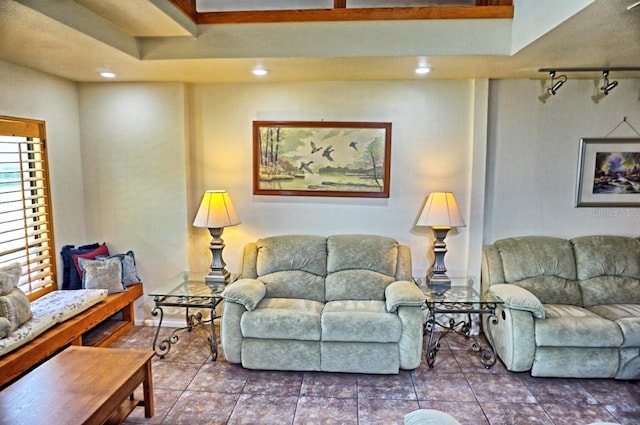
x=147, y=388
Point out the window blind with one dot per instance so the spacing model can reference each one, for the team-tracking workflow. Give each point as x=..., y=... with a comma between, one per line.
x=26, y=227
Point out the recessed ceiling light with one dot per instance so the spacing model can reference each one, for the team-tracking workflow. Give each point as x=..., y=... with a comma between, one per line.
x=107, y=74
x=423, y=70
x=260, y=72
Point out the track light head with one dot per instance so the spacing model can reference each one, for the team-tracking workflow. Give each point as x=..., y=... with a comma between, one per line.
x=556, y=83
x=607, y=85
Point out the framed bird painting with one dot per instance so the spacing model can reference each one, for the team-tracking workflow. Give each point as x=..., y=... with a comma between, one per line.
x=321, y=158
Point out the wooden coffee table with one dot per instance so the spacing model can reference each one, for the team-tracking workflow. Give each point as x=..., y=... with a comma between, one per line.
x=81, y=385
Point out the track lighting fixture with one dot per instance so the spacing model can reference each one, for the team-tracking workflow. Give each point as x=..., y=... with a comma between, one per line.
x=607, y=85
x=556, y=83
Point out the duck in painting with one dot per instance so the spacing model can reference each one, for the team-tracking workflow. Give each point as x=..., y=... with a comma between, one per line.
x=327, y=152
x=304, y=166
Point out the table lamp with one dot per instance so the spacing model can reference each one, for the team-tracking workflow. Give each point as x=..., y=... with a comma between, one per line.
x=215, y=213
x=441, y=213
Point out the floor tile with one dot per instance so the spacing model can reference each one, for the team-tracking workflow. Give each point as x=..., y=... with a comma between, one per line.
x=190, y=388
x=220, y=378
x=173, y=375
x=516, y=414
x=163, y=400
x=469, y=362
x=326, y=411
x=398, y=386
x=499, y=388
x=387, y=412
x=273, y=383
x=337, y=385
x=263, y=409
x=445, y=387
x=557, y=390
x=572, y=414
x=627, y=414
x=201, y=408
x=467, y=413
x=611, y=391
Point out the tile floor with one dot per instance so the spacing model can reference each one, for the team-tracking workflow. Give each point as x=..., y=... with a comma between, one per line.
x=191, y=389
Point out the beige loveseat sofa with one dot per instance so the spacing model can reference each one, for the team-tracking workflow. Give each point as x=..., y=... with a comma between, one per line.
x=343, y=303
x=571, y=307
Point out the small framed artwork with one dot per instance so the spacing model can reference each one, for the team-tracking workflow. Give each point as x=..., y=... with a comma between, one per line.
x=320, y=158
x=608, y=173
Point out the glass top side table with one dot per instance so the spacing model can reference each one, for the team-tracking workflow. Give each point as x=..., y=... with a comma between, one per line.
x=459, y=298
x=187, y=290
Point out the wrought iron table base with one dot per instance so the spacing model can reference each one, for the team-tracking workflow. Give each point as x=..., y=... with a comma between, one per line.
x=488, y=355
x=162, y=348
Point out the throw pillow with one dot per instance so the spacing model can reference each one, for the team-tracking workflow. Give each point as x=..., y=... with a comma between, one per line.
x=5, y=325
x=102, y=274
x=129, y=272
x=70, y=277
x=16, y=308
x=9, y=277
x=101, y=250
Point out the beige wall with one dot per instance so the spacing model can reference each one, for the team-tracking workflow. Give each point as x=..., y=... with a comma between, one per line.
x=432, y=150
x=533, y=158
x=30, y=94
x=134, y=161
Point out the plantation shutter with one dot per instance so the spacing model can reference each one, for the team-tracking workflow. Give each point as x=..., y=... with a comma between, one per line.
x=26, y=227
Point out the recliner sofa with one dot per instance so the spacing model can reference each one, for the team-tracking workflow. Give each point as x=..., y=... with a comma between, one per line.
x=571, y=307
x=343, y=303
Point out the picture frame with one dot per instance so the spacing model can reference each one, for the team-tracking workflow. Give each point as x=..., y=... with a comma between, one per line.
x=608, y=172
x=322, y=158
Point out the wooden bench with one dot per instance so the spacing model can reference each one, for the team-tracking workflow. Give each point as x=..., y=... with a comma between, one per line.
x=95, y=326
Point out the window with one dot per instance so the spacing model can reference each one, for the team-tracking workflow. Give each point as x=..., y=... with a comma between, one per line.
x=26, y=226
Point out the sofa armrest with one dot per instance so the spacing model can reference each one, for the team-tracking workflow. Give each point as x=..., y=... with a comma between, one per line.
x=403, y=293
x=518, y=298
x=247, y=292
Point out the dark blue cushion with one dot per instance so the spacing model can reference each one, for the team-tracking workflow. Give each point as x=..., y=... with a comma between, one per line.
x=70, y=277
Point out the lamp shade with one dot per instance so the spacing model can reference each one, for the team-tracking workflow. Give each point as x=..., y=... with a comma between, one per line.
x=216, y=211
x=441, y=210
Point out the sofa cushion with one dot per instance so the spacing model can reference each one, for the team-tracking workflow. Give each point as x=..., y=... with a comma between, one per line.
x=356, y=285
x=553, y=290
x=48, y=310
x=626, y=316
x=283, y=318
x=610, y=290
x=532, y=256
x=608, y=268
x=607, y=256
x=294, y=284
x=360, y=267
x=360, y=321
x=292, y=266
x=367, y=252
x=572, y=326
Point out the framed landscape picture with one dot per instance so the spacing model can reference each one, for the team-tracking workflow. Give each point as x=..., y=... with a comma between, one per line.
x=608, y=173
x=321, y=158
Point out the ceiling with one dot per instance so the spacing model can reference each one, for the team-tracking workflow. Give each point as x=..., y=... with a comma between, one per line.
x=150, y=40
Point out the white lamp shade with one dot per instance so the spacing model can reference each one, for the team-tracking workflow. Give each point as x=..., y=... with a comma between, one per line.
x=441, y=210
x=216, y=211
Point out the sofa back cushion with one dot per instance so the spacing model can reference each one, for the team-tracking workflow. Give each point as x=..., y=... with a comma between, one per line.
x=360, y=267
x=608, y=269
x=292, y=266
x=545, y=266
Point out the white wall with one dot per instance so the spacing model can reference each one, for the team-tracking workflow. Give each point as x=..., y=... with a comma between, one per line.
x=432, y=150
x=134, y=158
x=26, y=93
x=533, y=157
